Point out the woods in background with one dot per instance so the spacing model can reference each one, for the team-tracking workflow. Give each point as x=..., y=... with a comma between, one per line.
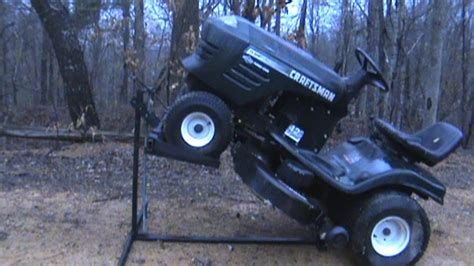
x=80, y=54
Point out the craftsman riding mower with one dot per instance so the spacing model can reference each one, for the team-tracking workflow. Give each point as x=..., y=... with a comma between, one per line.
x=276, y=106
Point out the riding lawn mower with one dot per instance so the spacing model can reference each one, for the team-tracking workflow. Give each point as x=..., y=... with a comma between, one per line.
x=276, y=106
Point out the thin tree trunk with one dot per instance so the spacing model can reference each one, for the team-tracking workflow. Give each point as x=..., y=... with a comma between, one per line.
x=18, y=55
x=467, y=138
x=345, y=38
x=433, y=78
x=125, y=5
x=313, y=21
x=235, y=7
x=51, y=83
x=389, y=41
x=278, y=19
x=96, y=71
x=382, y=103
x=78, y=91
x=3, y=83
x=405, y=108
x=301, y=32
x=139, y=38
x=397, y=86
x=44, y=69
x=3, y=72
x=467, y=97
x=373, y=36
x=249, y=10
x=184, y=37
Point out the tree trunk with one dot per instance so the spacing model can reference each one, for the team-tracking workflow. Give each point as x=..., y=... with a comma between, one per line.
x=184, y=37
x=139, y=38
x=433, y=78
x=44, y=69
x=278, y=19
x=249, y=10
x=301, y=32
x=313, y=22
x=58, y=24
x=467, y=97
x=125, y=5
x=345, y=37
x=86, y=12
x=396, y=85
x=235, y=6
x=373, y=36
x=382, y=102
x=51, y=79
x=3, y=75
x=60, y=134
x=467, y=138
x=13, y=77
x=3, y=63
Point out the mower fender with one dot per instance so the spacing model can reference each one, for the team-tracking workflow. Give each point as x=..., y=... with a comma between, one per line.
x=419, y=182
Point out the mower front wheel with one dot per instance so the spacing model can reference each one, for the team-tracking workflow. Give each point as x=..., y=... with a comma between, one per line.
x=200, y=121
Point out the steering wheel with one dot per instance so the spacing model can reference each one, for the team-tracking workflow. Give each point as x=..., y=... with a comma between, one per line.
x=374, y=73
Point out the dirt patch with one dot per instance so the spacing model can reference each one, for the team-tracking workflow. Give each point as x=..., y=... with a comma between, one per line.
x=71, y=204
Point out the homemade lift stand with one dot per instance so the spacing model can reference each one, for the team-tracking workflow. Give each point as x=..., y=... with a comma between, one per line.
x=139, y=229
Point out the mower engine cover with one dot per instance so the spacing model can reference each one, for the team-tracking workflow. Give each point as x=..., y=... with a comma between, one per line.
x=242, y=63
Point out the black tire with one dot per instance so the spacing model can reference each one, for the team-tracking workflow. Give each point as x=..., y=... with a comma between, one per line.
x=375, y=209
x=208, y=104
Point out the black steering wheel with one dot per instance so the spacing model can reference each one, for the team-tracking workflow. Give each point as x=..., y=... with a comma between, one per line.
x=374, y=73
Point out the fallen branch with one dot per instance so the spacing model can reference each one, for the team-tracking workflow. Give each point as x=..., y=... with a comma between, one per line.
x=63, y=134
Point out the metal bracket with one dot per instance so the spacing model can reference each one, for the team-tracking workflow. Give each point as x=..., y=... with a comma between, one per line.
x=150, y=118
x=139, y=226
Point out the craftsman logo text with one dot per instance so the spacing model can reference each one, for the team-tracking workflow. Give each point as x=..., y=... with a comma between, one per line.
x=312, y=85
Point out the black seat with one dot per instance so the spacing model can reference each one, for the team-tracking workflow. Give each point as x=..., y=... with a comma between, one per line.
x=430, y=145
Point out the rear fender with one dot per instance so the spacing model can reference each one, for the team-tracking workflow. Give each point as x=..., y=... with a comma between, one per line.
x=421, y=183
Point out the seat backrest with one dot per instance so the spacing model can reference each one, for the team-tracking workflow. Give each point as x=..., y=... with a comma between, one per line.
x=430, y=145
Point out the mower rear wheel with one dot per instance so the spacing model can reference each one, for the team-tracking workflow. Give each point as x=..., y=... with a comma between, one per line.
x=200, y=121
x=389, y=228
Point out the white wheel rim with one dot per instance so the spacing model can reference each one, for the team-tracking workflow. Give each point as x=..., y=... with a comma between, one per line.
x=197, y=129
x=390, y=236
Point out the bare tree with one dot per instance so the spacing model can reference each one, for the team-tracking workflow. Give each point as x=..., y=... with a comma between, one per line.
x=401, y=35
x=58, y=23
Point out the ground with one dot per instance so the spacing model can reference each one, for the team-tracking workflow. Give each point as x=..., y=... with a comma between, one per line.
x=70, y=203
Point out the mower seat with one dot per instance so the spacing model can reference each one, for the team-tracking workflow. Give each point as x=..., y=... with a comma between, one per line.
x=430, y=145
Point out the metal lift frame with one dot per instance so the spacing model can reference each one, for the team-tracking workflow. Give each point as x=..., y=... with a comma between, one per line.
x=139, y=223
